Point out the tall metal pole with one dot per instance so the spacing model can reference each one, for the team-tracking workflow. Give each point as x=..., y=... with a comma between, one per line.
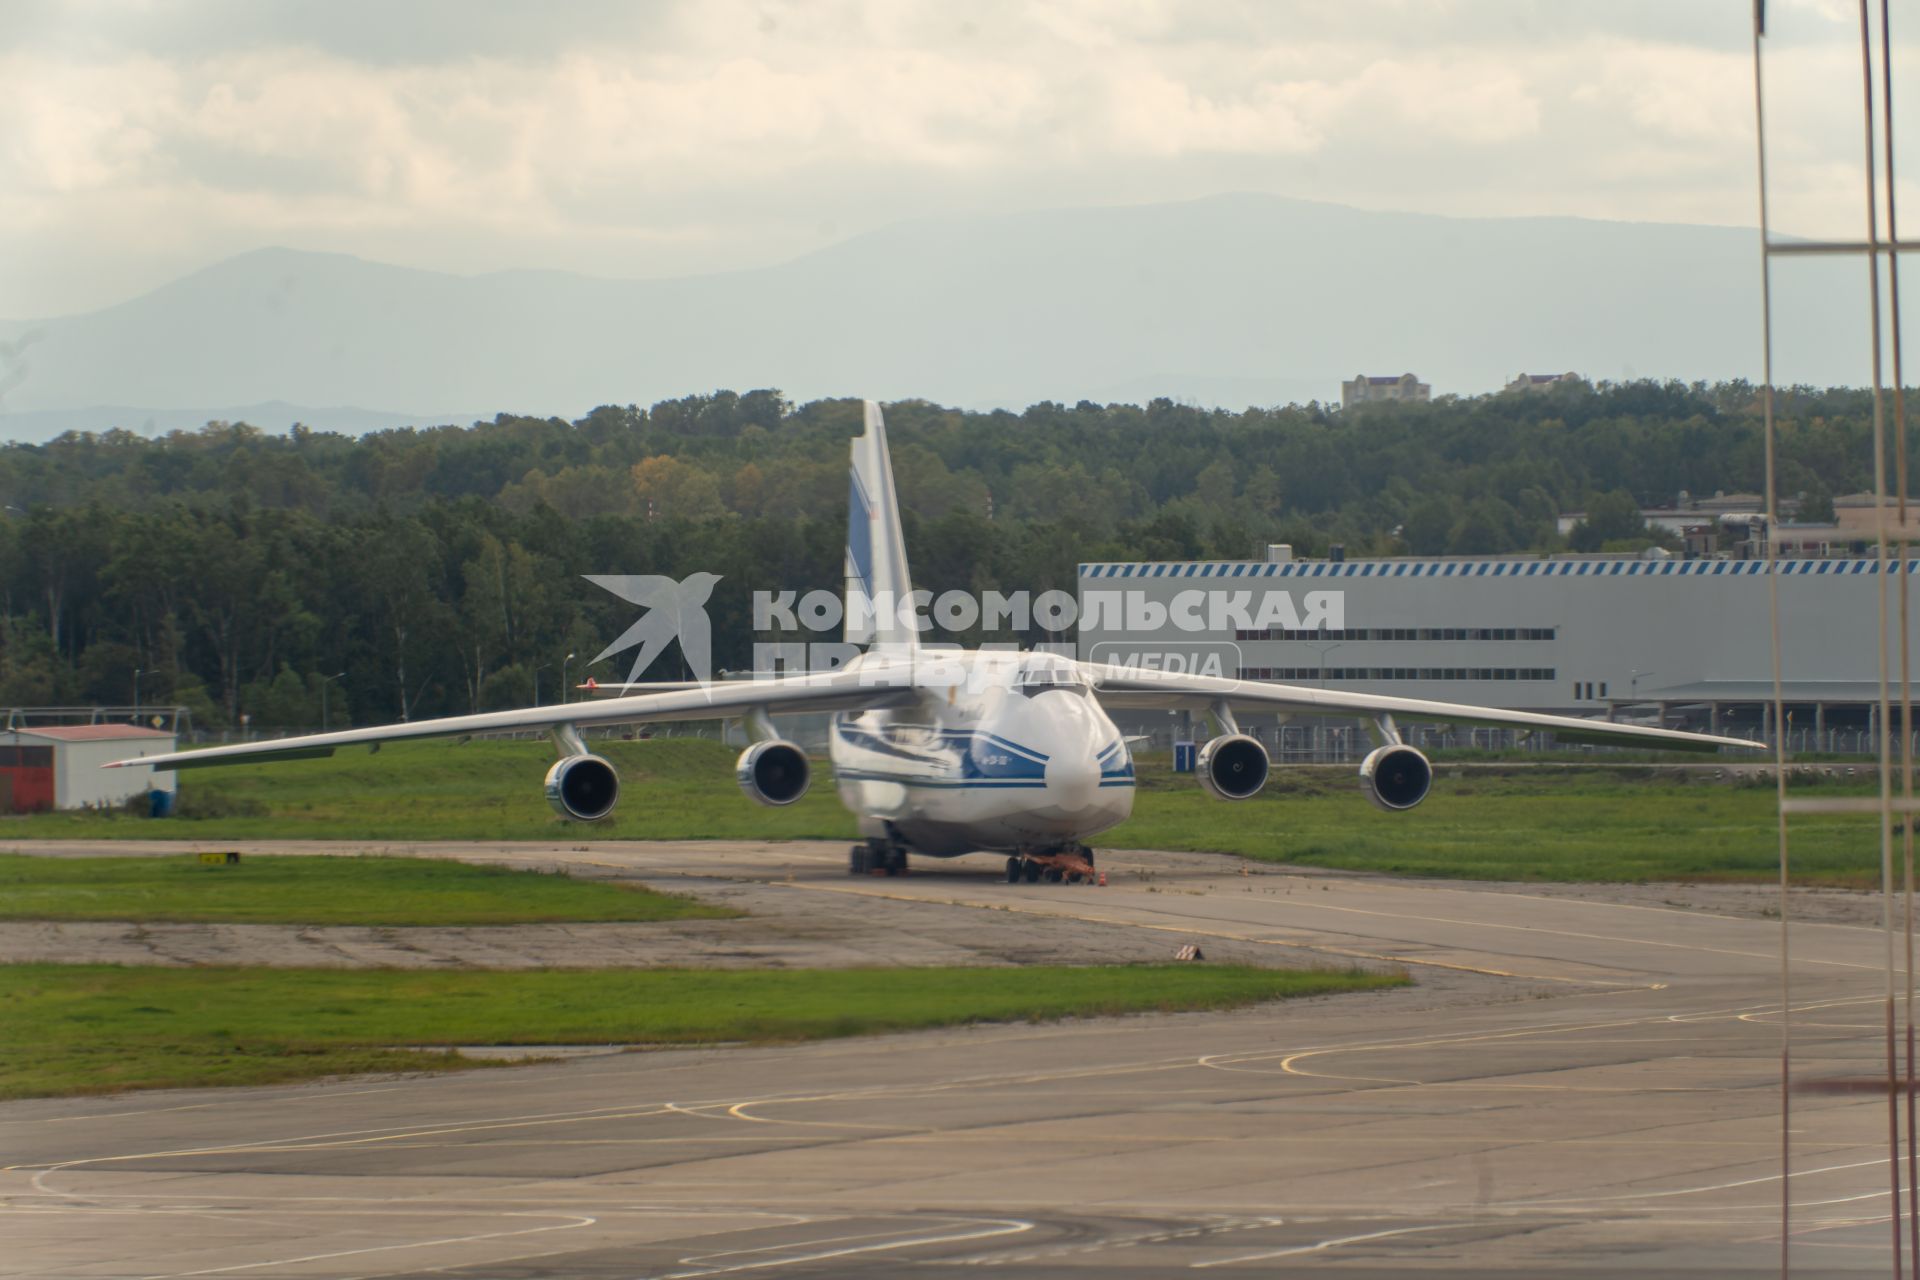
x=1773, y=609
x=1906, y=563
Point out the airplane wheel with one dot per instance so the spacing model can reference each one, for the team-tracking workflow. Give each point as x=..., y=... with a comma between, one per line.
x=857, y=861
x=1073, y=877
x=1013, y=870
x=1033, y=872
x=1053, y=875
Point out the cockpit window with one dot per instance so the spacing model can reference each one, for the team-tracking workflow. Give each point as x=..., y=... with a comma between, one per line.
x=1037, y=680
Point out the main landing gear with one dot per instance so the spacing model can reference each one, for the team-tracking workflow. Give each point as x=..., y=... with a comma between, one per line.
x=1069, y=865
x=877, y=858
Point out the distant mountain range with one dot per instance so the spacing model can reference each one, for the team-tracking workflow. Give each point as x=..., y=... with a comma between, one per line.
x=1230, y=300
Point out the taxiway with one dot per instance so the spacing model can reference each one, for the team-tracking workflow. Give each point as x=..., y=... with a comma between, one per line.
x=1577, y=1086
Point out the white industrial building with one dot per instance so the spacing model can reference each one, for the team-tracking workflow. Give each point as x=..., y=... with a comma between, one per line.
x=58, y=766
x=1683, y=642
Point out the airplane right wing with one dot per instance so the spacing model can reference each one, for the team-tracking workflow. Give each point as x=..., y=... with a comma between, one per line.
x=1130, y=688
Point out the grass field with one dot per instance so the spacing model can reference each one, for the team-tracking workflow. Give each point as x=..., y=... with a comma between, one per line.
x=1539, y=824
x=319, y=891
x=670, y=789
x=97, y=1028
x=1587, y=825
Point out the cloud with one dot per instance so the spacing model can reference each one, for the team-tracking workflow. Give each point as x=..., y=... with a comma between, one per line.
x=637, y=138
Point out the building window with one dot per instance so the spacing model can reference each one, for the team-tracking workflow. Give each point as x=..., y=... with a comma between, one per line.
x=1396, y=633
x=1307, y=675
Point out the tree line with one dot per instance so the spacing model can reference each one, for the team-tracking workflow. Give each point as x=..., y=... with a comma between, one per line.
x=409, y=573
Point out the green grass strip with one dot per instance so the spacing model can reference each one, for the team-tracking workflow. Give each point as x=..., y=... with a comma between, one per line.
x=309, y=890
x=95, y=1028
x=1551, y=828
x=1524, y=823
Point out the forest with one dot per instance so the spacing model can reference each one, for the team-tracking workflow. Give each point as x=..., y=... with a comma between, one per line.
x=279, y=580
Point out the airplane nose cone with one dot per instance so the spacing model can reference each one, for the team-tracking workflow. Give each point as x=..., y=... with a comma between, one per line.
x=1072, y=781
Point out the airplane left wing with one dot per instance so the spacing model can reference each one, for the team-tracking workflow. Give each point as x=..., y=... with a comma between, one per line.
x=1129, y=688
x=847, y=689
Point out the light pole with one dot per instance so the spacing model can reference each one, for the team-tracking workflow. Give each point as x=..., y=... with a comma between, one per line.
x=545, y=666
x=324, y=682
x=565, y=693
x=1323, y=650
x=136, y=695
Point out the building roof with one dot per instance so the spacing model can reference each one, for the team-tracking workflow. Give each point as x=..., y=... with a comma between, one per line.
x=1603, y=565
x=88, y=732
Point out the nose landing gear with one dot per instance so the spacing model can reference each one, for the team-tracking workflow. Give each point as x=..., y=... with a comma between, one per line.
x=877, y=858
x=1070, y=864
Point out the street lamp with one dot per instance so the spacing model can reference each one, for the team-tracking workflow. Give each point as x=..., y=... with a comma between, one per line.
x=1633, y=684
x=565, y=693
x=136, y=695
x=324, y=682
x=545, y=666
x=1323, y=650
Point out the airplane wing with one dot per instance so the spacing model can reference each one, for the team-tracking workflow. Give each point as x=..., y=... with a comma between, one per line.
x=847, y=689
x=1129, y=688
x=627, y=688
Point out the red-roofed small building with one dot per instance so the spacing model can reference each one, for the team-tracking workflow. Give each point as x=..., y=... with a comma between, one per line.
x=57, y=766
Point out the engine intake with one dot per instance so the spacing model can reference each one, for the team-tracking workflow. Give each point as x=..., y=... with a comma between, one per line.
x=1396, y=777
x=773, y=773
x=583, y=788
x=1233, y=766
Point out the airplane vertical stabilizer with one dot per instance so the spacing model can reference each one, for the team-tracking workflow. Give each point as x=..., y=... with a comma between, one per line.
x=877, y=584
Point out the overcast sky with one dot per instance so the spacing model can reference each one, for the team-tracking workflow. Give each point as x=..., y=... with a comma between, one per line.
x=141, y=140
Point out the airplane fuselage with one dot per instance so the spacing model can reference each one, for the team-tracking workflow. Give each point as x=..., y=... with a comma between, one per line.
x=997, y=751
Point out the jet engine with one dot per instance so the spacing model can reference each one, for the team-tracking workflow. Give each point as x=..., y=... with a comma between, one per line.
x=1396, y=777
x=773, y=773
x=1232, y=766
x=583, y=788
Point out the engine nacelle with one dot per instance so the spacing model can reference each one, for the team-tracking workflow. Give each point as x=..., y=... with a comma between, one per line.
x=1232, y=766
x=583, y=788
x=1396, y=777
x=773, y=773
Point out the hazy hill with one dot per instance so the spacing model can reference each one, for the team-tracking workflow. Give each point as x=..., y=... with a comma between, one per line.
x=1233, y=300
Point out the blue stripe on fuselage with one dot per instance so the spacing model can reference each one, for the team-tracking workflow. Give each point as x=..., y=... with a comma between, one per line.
x=981, y=756
x=978, y=755
x=973, y=784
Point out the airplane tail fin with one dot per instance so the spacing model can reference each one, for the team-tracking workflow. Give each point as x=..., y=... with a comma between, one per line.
x=877, y=584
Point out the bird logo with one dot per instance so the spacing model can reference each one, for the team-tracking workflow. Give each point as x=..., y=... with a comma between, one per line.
x=674, y=609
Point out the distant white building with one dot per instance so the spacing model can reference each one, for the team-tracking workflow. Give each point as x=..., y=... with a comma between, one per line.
x=1542, y=381
x=1366, y=389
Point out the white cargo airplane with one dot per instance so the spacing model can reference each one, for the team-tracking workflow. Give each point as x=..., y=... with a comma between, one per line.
x=943, y=752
